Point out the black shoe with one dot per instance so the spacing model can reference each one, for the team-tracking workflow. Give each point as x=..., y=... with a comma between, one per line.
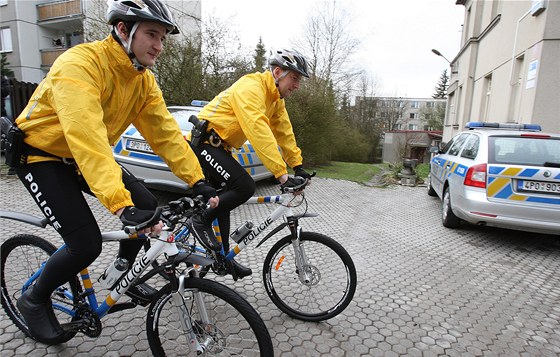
x=240, y=270
x=142, y=292
x=204, y=233
x=40, y=319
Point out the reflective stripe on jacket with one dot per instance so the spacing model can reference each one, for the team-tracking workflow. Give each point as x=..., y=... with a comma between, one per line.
x=252, y=109
x=90, y=96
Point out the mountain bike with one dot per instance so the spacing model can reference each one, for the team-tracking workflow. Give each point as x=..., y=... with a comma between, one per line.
x=307, y=275
x=189, y=314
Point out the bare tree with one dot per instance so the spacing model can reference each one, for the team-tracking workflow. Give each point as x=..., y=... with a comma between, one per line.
x=329, y=45
x=95, y=22
x=433, y=116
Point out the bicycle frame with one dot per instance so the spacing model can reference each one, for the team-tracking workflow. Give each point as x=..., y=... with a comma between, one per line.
x=283, y=210
x=138, y=268
x=165, y=244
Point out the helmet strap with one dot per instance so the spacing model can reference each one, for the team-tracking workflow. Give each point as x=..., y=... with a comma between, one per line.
x=284, y=74
x=128, y=45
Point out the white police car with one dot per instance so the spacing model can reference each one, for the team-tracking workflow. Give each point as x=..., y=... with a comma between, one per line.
x=135, y=154
x=501, y=175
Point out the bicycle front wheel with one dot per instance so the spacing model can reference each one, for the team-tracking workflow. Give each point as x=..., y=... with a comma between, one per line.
x=21, y=257
x=234, y=327
x=327, y=281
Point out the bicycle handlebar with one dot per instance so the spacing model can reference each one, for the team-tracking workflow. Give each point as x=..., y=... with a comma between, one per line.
x=295, y=184
x=150, y=222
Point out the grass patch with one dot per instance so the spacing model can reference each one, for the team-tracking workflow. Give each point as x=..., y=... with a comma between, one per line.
x=362, y=173
x=422, y=170
x=349, y=171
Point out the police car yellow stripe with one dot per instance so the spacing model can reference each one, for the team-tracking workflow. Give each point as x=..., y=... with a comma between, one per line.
x=501, y=180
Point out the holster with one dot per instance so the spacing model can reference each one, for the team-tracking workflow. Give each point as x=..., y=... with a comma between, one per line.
x=199, y=132
x=12, y=137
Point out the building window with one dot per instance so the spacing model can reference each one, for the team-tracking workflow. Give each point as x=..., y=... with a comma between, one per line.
x=412, y=127
x=415, y=105
x=413, y=116
x=6, y=40
x=487, y=95
x=429, y=104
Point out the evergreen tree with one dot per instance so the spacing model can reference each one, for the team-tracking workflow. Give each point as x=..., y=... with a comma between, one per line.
x=4, y=63
x=441, y=87
x=260, y=56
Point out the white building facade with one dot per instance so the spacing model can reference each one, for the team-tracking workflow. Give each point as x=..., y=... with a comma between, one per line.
x=34, y=33
x=508, y=67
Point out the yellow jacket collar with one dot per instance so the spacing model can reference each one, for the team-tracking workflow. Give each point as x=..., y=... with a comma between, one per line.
x=120, y=57
x=271, y=85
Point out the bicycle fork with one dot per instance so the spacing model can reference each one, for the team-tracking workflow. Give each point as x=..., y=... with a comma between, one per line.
x=185, y=317
x=305, y=275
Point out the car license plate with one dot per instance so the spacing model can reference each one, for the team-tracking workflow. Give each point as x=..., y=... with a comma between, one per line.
x=538, y=186
x=136, y=145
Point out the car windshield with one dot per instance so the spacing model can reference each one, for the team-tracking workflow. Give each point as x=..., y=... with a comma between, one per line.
x=182, y=116
x=521, y=150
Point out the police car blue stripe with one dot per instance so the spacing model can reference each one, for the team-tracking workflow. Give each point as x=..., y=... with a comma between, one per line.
x=461, y=170
x=145, y=156
x=528, y=173
x=131, y=131
x=118, y=148
x=557, y=177
x=495, y=170
x=553, y=201
x=505, y=193
x=240, y=159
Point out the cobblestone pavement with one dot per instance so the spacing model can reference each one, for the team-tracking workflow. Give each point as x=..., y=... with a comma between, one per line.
x=423, y=290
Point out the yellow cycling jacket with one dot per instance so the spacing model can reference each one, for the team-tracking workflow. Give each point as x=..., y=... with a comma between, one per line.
x=252, y=109
x=90, y=96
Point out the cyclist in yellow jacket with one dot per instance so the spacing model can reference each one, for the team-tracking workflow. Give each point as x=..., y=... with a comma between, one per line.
x=92, y=93
x=252, y=108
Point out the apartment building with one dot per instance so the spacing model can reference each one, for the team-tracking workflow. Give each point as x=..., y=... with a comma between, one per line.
x=508, y=67
x=408, y=124
x=34, y=33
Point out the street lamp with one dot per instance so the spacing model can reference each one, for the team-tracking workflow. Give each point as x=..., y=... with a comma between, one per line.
x=439, y=54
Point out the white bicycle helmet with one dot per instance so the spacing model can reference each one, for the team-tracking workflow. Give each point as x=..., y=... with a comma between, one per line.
x=291, y=60
x=140, y=10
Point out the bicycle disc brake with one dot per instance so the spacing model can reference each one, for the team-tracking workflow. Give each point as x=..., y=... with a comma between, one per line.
x=311, y=275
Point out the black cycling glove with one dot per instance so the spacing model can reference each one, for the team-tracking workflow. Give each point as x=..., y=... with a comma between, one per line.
x=299, y=171
x=293, y=183
x=201, y=188
x=133, y=216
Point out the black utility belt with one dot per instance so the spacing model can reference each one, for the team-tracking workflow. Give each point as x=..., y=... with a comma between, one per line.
x=17, y=150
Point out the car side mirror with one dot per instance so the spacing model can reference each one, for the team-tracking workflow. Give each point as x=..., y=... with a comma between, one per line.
x=434, y=149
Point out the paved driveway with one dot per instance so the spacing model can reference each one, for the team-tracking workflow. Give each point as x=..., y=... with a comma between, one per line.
x=423, y=290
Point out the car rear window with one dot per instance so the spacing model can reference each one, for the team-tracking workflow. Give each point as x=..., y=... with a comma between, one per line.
x=182, y=117
x=519, y=150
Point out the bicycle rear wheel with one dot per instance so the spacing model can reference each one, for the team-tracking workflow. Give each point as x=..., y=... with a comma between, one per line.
x=21, y=256
x=330, y=280
x=236, y=328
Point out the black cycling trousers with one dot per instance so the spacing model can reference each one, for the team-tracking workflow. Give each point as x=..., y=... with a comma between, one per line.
x=221, y=168
x=58, y=189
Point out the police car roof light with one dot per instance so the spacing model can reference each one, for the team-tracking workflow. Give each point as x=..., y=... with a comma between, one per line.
x=199, y=103
x=479, y=125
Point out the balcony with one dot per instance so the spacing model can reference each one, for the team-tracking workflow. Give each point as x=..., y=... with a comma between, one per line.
x=60, y=14
x=49, y=55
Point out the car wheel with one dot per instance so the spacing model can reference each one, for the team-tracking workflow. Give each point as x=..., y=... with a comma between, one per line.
x=431, y=191
x=448, y=218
